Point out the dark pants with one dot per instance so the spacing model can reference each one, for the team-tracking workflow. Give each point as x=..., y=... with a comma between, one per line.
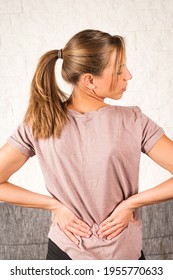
x=55, y=253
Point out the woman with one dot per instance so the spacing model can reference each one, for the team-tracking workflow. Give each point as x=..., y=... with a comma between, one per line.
x=89, y=152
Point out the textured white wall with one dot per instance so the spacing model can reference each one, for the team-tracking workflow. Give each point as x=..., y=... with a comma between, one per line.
x=28, y=28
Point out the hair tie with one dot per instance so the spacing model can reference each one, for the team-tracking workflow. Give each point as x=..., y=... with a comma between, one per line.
x=60, y=53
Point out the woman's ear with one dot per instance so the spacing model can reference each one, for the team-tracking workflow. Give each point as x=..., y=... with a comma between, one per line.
x=88, y=81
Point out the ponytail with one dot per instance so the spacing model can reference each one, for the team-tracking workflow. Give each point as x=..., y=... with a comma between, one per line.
x=46, y=112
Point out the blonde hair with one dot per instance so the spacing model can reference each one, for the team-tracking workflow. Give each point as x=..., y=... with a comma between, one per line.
x=88, y=51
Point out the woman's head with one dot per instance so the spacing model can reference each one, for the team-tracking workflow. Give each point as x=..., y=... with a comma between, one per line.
x=88, y=52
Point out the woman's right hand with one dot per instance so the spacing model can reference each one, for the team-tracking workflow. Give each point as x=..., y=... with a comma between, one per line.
x=70, y=224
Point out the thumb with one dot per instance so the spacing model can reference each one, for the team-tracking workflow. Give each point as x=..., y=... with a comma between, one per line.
x=132, y=218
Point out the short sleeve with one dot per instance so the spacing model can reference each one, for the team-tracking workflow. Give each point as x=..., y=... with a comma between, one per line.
x=151, y=132
x=22, y=140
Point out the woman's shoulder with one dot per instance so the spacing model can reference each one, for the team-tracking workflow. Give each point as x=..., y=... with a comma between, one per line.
x=127, y=111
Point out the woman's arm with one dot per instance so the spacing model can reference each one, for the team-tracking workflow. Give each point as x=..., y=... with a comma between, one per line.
x=162, y=154
x=11, y=160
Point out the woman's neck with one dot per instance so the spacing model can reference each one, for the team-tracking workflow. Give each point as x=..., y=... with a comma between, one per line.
x=83, y=102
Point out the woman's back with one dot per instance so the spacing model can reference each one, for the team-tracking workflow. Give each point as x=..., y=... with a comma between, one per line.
x=91, y=168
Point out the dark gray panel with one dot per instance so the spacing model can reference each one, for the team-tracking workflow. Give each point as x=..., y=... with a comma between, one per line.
x=23, y=252
x=162, y=247
x=20, y=225
x=157, y=220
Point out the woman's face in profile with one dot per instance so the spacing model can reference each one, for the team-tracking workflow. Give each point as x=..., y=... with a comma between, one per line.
x=110, y=84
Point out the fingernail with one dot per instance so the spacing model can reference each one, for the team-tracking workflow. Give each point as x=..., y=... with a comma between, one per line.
x=108, y=238
x=77, y=242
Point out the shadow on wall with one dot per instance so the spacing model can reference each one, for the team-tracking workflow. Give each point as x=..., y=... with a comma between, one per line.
x=23, y=232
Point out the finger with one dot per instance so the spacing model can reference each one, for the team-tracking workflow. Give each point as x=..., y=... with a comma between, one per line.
x=78, y=232
x=81, y=223
x=107, y=226
x=80, y=227
x=132, y=219
x=111, y=230
x=105, y=222
x=71, y=237
x=117, y=232
x=107, y=232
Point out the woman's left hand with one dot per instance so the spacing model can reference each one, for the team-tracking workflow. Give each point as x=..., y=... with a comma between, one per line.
x=116, y=222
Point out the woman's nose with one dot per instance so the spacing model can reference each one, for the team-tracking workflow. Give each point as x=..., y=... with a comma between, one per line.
x=128, y=75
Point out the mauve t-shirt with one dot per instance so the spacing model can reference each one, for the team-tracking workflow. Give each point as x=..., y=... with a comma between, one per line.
x=91, y=168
